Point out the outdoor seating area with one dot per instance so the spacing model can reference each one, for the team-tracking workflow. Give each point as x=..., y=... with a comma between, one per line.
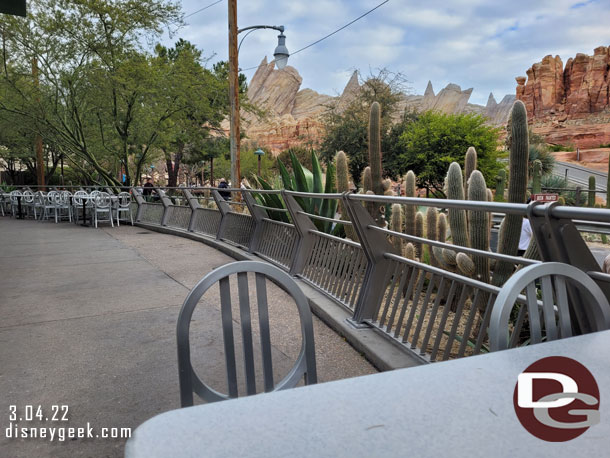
x=63, y=205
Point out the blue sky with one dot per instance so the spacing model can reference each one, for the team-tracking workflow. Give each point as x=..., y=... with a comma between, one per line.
x=483, y=44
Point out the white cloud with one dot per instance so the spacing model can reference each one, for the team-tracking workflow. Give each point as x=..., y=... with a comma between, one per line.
x=475, y=43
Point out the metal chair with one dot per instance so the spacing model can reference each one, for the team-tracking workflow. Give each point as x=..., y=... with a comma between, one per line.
x=15, y=197
x=102, y=205
x=62, y=205
x=305, y=364
x=549, y=318
x=28, y=203
x=49, y=205
x=77, y=205
x=123, y=205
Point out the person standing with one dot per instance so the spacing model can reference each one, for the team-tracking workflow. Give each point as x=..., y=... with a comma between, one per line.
x=226, y=195
x=148, y=189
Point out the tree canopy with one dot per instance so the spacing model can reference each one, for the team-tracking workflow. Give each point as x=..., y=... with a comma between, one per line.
x=102, y=98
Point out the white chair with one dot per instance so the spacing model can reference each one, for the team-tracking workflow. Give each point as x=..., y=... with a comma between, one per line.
x=77, y=205
x=62, y=205
x=123, y=205
x=102, y=205
x=28, y=203
x=15, y=197
x=39, y=199
x=49, y=205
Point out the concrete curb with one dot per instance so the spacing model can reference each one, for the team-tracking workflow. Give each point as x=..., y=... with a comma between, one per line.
x=383, y=353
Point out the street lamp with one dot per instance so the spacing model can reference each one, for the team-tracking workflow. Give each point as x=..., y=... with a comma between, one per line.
x=260, y=153
x=281, y=59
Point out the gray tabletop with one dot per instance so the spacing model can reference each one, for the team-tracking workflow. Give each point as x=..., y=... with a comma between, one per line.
x=455, y=408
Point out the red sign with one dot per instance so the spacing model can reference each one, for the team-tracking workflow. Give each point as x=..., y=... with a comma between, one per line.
x=545, y=197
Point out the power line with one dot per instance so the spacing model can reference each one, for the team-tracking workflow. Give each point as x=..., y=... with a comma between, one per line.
x=330, y=34
x=201, y=9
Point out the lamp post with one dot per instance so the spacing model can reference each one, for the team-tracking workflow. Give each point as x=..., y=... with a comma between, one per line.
x=281, y=59
x=260, y=153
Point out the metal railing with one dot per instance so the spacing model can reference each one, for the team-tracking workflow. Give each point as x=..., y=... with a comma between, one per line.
x=429, y=311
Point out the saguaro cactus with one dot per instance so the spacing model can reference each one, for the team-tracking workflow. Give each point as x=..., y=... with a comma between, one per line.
x=396, y=226
x=470, y=165
x=419, y=232
x=342, y=171
x=375, y=147
x=537, y=177
x=431, y=228
x=479, y=225
x=510, y=230
x=591, y=200
x=410, y=210
x=457, y=217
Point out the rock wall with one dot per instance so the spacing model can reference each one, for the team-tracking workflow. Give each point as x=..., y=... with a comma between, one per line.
x=569, y=104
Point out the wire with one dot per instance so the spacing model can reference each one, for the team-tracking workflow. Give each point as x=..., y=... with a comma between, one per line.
x=204, y=8
x=329, y=35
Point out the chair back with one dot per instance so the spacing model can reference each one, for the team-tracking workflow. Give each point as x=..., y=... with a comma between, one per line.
x=28, y=196
x=94, y=194
x=52, y=197
x=39, y=197
x=79, y=196
x=305, y=364
x=102, y=200
x=124, y=199
x=64, y=197
x=548, y=318
x=14, y=195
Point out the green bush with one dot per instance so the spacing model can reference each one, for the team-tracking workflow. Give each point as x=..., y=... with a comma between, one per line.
x=429, y=144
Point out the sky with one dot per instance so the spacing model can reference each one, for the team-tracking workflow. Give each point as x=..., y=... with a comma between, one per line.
x=482, y=44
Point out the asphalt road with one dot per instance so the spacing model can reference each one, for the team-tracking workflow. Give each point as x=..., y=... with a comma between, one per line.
x=579, y=175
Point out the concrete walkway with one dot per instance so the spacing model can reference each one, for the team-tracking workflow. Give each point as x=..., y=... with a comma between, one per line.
x=87, y=320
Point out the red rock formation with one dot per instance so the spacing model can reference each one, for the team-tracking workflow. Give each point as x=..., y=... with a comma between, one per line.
x=569, y=105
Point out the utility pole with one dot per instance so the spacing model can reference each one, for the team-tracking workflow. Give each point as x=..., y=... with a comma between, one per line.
x=234, y=94
x=38, y=140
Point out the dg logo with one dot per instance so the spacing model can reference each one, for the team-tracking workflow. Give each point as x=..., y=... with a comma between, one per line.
x=556, y=399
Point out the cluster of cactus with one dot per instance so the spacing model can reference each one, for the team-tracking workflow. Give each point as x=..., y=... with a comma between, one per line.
x=591, y=195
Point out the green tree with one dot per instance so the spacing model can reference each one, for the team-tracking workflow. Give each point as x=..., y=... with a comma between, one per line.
x=435, y=140
x=346, y=127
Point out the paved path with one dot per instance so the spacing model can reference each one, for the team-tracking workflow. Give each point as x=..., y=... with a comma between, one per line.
x=87, y=319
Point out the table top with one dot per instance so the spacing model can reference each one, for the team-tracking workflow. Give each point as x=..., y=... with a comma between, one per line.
x=455, y=408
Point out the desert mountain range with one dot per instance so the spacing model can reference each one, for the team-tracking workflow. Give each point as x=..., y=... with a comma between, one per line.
x=568, y=105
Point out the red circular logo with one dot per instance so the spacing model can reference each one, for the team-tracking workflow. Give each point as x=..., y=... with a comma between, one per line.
x=556, y=399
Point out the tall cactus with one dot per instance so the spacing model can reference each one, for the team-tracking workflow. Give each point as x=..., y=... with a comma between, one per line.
x=479, y=225
x=375, y=147
x=457, y=217
x=410, y=210
x=431, y=228
x=342, y=171
x=367, y=179
x=396, y=226
x=500, y=185
x=470, y=165
x=537, y=177
x=591, y=201
x=419, y=232
x=510, y=230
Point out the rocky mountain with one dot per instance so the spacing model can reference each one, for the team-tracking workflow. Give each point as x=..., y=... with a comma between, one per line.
x=293, y=115
x=569, y=104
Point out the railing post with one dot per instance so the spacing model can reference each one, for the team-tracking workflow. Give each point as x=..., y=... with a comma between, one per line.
x=559, y=240
x=224, y=209
x=303, y=226
x=374, y=245
x=257, y=214
x=194, y=205
x=167, y=203
x=140, y=201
